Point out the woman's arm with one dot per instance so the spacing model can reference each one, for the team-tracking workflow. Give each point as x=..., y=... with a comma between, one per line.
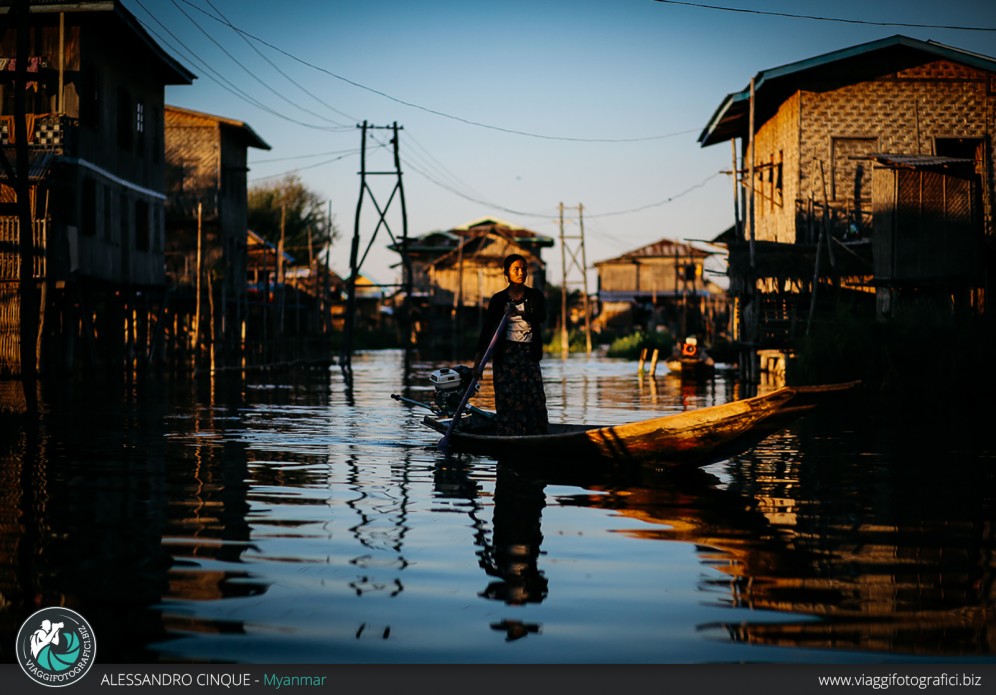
x=538, y=302
x=492, y=317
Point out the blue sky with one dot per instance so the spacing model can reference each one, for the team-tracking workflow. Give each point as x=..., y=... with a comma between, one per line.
x=510, y=108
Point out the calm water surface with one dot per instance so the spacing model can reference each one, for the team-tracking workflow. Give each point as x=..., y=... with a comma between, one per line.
x=285, y=518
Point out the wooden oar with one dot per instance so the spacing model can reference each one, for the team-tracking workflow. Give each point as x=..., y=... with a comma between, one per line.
x=444, y=443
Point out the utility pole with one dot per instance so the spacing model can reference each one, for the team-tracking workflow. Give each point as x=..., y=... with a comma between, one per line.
x=355, y=260
x=280, y=264
x=29, y=303
x=197, y=285
x=581, y=264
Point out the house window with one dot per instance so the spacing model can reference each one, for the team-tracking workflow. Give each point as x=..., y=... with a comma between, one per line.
x=157, y=228
x=779, y=191
x=140, y=127
x=108, y=221
x=88, y=223
x=89, y=97
x=963, y=148
x=123, y=222
x=142, y=228
x=124, y=119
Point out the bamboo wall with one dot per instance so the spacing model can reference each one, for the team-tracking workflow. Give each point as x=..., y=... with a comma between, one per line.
x=835, y=123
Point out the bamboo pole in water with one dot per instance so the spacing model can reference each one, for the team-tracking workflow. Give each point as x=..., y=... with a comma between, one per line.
x=211, y=331
x=197, y=288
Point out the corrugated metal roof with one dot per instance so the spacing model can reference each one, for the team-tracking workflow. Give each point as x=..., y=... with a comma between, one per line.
x=39, y=161
x=731, y=118
x=634, y=295
x=664, y=248
x=920, y=161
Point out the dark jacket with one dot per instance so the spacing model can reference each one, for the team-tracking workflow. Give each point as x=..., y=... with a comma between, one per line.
x=534, y=314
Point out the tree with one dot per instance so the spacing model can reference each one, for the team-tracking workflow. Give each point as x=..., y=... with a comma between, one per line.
x=302, y=211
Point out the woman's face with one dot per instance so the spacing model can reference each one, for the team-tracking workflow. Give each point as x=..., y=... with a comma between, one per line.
x=517, y=273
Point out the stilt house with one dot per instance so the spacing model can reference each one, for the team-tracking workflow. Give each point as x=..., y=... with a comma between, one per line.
x=206, y=222
x=81, y=138
x=660, y=284
x=866, y=172
x=455, y=272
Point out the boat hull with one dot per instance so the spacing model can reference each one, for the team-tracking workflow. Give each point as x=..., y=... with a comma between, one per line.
x=694, y=437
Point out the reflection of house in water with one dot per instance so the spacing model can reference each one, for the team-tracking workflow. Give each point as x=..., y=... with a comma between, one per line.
x=887, y=568
x=661, y=284
x=455, y=272
x=126, y=519
x=868, y=169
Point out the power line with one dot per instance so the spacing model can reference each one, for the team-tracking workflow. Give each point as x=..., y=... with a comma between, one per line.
x=220, y=80
x=251, y=74
x=476, y=200
x=275, y=67
x=354, y=150
x=435, y=112
x=521, y=213
x=665, y=201
x=310, y=166
x=826, y=19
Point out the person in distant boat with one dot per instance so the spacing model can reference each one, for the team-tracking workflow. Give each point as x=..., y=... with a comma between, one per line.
x=518, y=381
x=690, y=348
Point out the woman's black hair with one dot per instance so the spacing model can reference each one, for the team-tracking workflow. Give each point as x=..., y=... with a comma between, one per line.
x=512, y=258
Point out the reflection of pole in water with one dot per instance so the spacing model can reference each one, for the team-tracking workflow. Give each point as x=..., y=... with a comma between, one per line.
x=382, y=527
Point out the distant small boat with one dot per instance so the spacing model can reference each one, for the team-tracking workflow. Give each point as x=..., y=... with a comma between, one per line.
x=690, y=359
x=694, y=437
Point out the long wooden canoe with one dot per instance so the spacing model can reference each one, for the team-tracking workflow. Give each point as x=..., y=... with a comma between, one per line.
x=691, y=437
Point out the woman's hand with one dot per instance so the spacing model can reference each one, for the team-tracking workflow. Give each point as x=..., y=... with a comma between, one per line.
x=512, y=310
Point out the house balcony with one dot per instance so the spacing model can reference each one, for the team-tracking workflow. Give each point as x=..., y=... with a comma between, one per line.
x=48, y=131
x=10, y=253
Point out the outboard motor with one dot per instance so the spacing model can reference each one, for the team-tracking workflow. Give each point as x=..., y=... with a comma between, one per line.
x=451, y=384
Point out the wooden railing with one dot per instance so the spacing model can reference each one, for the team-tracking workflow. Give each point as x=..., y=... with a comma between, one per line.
x=10, y=250
x=44, y=130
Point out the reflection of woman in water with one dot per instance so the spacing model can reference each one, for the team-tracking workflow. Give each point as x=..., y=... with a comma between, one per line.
x=45, y=635
x=511, y=553
x=515, y=548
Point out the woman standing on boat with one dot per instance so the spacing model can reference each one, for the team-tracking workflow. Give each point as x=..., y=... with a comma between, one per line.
x=519, y=397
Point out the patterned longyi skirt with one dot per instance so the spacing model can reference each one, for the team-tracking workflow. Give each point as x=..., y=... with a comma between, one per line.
x=519, y=396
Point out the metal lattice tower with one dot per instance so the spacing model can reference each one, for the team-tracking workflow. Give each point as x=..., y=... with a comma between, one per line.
x=355, y=260
x=580, y=264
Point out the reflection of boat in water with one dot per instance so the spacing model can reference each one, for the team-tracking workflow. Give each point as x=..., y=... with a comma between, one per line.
x=693, y=437
x=690, y=359
x=796, y=566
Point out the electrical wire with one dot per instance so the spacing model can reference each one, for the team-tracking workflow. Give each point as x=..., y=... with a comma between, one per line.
x=659, y=203
x=304, y=168
x=220, y=80
x=275, y=67
x=826, y=19
x=252, y=74
x=436, y=112
x=354, y=150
